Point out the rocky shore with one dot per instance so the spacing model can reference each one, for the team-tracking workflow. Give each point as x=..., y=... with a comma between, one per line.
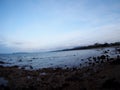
x=103, y=76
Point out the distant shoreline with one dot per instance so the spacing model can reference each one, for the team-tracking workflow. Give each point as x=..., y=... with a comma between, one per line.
x=94, y=46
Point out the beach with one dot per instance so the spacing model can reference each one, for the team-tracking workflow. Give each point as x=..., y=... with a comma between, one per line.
x=106, y=77
x=99, y=75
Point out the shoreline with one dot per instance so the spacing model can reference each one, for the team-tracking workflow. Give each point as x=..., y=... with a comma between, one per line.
x=73, y=59
x=105, y=76
x=98, y=73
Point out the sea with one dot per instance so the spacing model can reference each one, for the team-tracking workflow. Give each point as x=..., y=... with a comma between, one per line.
x=62, y=59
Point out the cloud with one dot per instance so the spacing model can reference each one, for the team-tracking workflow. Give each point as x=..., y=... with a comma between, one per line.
x=101, y=34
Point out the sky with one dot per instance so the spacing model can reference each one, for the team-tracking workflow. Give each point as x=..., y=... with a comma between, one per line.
x=40, y=25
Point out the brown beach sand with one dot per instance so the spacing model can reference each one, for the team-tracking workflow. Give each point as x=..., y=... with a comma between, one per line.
x=101, y=77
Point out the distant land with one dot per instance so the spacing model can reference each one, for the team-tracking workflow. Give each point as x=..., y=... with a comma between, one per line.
x=96, y=45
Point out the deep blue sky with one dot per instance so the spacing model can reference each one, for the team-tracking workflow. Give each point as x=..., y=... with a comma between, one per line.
x=38, y=25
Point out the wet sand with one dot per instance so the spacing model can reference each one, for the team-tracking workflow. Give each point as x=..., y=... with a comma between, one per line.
x=105, y=76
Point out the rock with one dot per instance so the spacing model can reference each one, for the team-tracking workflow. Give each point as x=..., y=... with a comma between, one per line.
x=103, y=57
x=1, y=62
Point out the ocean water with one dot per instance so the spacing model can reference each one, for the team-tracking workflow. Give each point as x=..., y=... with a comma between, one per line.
x=52, y=59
